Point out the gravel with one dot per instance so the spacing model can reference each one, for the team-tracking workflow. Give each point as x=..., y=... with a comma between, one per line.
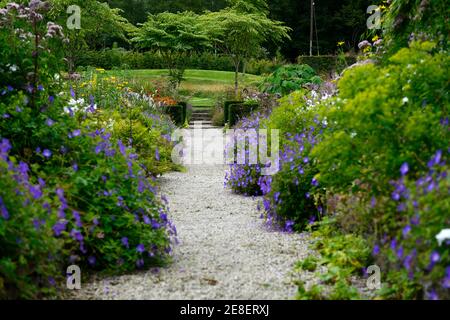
x=225, y=250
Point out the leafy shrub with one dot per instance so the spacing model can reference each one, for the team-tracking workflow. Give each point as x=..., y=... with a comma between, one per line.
x=29, y=254
x=244, y=177
x=70, y=187
x=385, y=116
x=290, y=78
x=123, y=59
x=416, y=260
x=291, y=195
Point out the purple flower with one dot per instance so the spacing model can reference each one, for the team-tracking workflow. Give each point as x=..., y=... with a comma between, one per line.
x=140, y=248
x=314, y=182
x=76, y=133
x=3, y=210
x=51, y=281
x=5, y=146
x=51, y=99
x=125, y=242
x=376, y=250
x=140, y=263
x=434, y=257
x=289, y=226
x=157, y=154
x=76, y=235
x=155, y=224
x=147, y=219
x=72, y=92
x=393, y=244
x=122, y=148
x=92, y=260
x=400, y=252
x=47, y=153
x=432, y=295
x=35, y=191
x=49, y=122
x=446, y=281
x=406, y=230
x=75, y=167
x=404, y=169
x=59, y=227
x=77, y=218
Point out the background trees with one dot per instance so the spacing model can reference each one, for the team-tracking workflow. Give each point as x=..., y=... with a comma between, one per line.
x=173, y=35
x=337, y=20
x=242, y=29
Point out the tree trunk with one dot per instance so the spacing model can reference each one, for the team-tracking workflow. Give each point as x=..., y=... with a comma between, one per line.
x=236, y=78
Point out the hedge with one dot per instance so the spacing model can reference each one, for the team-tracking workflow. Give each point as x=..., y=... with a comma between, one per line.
x=178, y=113
x=324, y=64
x=226, y=106
x=123, y=59
x=238, y=110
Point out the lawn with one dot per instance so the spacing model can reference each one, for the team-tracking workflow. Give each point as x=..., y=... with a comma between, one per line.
x=200, y=87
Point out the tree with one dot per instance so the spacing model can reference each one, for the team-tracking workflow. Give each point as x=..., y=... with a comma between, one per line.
x=99, y=24
x=241, y=30
x=173, y=35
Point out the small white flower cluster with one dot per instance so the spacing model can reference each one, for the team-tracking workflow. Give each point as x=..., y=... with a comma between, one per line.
x=442, y=236
x=148, y=99
x=75, y=106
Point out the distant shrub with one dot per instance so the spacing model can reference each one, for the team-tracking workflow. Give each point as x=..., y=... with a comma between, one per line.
x=289, y=78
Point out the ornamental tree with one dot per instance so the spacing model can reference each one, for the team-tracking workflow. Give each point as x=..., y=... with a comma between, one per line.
x=173, y=35
x=241, y=30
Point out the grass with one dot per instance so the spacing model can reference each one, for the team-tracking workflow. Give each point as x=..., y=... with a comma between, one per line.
x=200, y=87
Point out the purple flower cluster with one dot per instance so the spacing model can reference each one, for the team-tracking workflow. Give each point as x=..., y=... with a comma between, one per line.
x=414, y=236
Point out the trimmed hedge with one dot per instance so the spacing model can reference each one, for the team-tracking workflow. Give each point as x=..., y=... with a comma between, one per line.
x=324, y=64
x=226, y=106
x=178, y=113
x=238, y=110
x=123, y=59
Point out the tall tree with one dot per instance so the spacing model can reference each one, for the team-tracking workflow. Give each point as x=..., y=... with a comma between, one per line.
x=240, y=34
x=173, y=34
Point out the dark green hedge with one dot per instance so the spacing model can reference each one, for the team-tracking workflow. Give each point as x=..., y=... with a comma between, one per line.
x=226, y=107
x=120, y=58
x=325, y=64
x=178, y=113
x=238, y=110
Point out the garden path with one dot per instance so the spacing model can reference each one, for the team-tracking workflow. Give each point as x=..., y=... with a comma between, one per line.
x=225, y=249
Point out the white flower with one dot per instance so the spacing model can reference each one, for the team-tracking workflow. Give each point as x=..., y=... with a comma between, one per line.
x=443, y=235
x=13, y=68
x=405, y=100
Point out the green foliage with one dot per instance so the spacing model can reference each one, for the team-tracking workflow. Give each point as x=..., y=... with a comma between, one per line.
x=416, y=20
x=99, y=24
x=173, y=35
x=342, y=255
x=72, y=191
x=238, y=110
x=241, y=34
x=290, y=78
x=29, y=254
x=325, y=64
x=402, y=103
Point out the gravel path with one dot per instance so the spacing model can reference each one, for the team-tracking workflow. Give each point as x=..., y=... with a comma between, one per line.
x=225, y=251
